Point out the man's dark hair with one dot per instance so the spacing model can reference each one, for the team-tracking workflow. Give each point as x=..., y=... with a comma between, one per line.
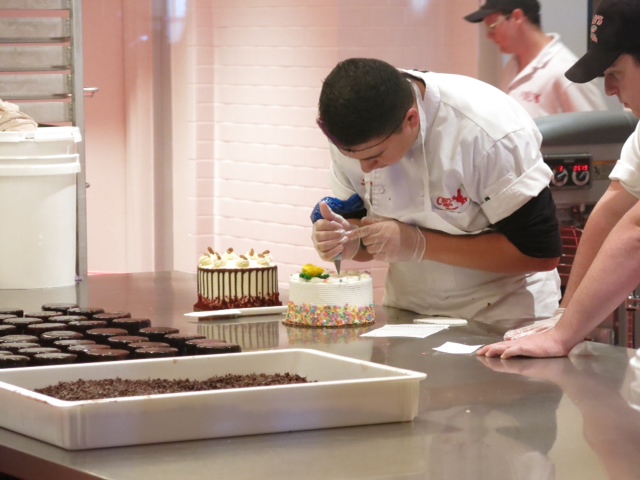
x=363, y=99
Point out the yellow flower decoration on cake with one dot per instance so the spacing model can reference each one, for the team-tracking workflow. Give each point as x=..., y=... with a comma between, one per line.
x=312, y=270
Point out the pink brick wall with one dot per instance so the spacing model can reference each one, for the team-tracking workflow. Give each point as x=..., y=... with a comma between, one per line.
x=261, y=162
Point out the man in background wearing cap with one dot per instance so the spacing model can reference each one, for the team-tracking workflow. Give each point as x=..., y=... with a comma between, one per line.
x=607, y=264
x=534, y=75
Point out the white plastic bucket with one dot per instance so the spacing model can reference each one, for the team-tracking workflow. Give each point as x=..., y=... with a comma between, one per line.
x=38, y=175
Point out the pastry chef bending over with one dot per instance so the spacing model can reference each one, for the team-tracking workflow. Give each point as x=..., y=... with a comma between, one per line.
x=455, y=190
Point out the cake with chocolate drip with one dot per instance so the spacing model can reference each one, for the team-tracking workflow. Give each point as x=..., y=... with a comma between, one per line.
x=229, y=280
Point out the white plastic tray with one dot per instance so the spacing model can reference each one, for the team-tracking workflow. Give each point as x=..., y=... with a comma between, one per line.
x=347, y=392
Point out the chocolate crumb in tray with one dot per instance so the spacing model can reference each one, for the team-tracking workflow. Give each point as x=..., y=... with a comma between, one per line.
x=117, y=387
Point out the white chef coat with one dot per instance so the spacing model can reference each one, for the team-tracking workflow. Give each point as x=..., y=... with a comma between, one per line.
x=627, y=169
x=541, y=87
x=476, y=161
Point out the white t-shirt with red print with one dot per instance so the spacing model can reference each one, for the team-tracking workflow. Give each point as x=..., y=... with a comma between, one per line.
x=541, y=87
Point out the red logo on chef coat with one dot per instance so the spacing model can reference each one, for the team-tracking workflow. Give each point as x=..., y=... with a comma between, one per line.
x=452, y=204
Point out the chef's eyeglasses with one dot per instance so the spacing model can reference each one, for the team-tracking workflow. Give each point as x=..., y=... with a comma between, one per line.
x=321, y=124
x=492, y=27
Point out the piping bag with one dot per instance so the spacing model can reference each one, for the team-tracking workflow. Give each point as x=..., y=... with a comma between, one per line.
x=353, y=207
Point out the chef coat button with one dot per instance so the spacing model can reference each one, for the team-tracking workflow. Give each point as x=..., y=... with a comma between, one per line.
x=380, y=189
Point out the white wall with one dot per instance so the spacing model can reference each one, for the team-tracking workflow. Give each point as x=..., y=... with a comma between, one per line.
x=265, y=162
x=248, y=162
x=105, y=122
x=570, y=18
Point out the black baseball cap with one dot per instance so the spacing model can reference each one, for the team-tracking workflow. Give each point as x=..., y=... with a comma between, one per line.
x=497, y=6
x=614, y=31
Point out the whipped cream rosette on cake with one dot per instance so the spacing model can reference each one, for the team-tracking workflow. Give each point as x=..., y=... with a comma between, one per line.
x=319, y=298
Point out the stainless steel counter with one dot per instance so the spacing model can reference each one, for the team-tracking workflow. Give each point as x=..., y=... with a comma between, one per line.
x=561, y=419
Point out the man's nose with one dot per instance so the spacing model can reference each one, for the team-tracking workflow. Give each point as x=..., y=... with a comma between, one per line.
x=367, y=165
x=610, y=86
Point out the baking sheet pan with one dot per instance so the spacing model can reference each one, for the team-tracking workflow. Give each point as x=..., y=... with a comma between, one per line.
x=345, y=392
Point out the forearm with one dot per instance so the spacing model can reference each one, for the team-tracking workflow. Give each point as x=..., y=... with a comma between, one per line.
x=612, y=276
x=595, y=233
x=490, y=252
x=609, y=210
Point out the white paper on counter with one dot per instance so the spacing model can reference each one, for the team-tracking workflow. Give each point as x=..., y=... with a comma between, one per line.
x=405, y=330
x=459, y=348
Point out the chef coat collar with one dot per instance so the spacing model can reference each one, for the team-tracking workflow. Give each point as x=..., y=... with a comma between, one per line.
x=418, y=145
x=541, y=59
x=427, y=105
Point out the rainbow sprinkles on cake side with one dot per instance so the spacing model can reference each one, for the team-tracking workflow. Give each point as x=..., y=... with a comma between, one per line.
x=319, y=298
x=229, y=280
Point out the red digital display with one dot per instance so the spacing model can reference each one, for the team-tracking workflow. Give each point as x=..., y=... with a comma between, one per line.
x=581, y=168
x=560, y=168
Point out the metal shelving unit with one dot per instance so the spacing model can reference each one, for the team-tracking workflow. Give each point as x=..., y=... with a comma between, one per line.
x=41, y=71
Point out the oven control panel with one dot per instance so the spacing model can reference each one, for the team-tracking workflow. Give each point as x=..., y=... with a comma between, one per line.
x=570, y=171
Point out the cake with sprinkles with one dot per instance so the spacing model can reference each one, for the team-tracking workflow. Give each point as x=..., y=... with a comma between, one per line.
x=323, y=299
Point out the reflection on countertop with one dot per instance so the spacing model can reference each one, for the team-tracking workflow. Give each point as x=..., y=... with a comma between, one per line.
x=478, y=418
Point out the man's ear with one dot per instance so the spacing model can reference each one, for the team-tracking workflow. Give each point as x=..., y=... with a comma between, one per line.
x=413, y=117
x=518, y=14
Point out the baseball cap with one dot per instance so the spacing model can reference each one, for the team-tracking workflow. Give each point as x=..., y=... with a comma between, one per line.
x=495, y=6
x=614, y=31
